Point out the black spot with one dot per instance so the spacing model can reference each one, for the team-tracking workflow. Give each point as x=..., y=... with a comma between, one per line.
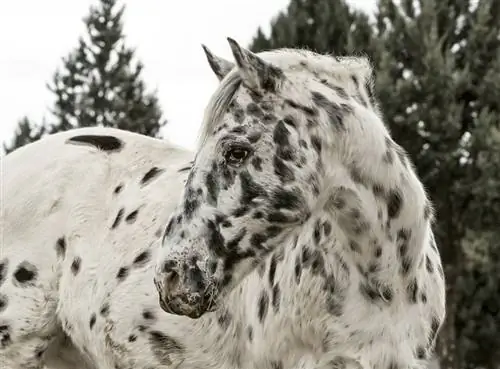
x=388, y=157
x=226, y=223
x=262, y=306
x=5, y=339
x=61, y=247
x=150, y=175
x=185, y=169
x=118, y=189
x=148, y=315
x=298, y=270
x=278, y=217
x=25, y=273
x=309, y=111
x=369, y=292
x=421, y=353
x=316, y=143
x=327, y=228
x=412, y=291
x=428, y=264
x=92, y=320
x=122, y=273
x=242, y=210
x=340, y=92
x=273, y=231
x=105, y=143
x=317, y=262
x=215, y=239
x=104, y=311
x=272, y=268
x=423, y=297
x=142, y=258
x=435, y=324
x=334, y=111
x=169, y=227
x=132, y=338
x=317, y=233
x=233, y=243
x=75, y=265
x=281, y=135
x=287, y=199
x=250, y=189
x=224, y=319
x=212, y=185
x=3, y=302
x=335, y=296
x=378, y=190
x=254, y=110
x=276, y=365
x=275, y=297
x=191, y=202
x=3, y=271
x=282, y=170
x=354, y=246
x=257, y=240
x=132, y=217
x=39, y=351
x=394, y=203
x=338, y=362
x=118, y=218
x=257, y=163
x=250, y=333
x=163, y=346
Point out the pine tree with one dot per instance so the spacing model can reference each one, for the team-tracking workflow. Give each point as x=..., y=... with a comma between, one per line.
x=25, y=133
x=324, y=26
x=100, y=84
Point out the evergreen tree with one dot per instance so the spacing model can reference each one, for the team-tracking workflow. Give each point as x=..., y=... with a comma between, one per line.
x=437, y=65
x=25, y=133
x=324, y=26
x=100, y=84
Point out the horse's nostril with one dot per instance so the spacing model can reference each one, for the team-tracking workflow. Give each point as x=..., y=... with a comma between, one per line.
x=172, y=278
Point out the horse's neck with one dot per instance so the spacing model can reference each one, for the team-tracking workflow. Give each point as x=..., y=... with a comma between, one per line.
x=359, y=232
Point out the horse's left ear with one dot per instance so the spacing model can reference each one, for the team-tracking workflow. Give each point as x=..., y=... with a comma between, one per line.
x=221, y=67
x=257, y=74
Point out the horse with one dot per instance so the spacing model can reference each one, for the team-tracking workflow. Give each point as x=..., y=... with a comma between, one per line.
x=303, y=221
x=266, y=248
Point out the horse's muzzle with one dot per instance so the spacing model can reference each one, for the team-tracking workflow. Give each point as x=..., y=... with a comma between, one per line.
x=174, y=299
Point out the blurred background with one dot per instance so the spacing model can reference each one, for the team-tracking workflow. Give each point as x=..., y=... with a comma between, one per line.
x=437, y=67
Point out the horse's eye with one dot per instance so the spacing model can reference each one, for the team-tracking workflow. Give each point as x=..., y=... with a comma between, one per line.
x=236, y=156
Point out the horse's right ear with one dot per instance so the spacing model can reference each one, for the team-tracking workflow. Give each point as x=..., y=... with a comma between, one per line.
x=220, y=66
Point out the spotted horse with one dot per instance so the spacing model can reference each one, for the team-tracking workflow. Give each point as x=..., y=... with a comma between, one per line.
x=302, y=225
x=302, y=239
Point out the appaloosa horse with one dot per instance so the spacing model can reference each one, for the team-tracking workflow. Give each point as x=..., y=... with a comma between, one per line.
x=303, y=237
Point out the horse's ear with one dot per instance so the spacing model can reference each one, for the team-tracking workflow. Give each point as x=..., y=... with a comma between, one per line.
x=220, y=66
x=257, y=74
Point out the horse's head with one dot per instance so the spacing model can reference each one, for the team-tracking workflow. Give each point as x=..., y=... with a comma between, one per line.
x=257, y=175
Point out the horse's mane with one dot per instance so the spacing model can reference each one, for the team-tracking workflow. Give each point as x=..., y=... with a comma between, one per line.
x=342, y=68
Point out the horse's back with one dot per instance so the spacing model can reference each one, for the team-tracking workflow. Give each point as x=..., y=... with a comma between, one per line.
x=57, y=193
